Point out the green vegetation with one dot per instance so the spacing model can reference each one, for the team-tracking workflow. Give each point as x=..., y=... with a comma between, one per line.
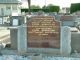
x=49, y=8
x=75, y=7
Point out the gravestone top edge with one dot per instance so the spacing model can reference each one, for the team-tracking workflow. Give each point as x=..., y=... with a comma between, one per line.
x=67, y=18
x=33, y=17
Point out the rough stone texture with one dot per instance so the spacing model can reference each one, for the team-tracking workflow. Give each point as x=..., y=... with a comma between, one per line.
x=22, y=42
x=65, y=41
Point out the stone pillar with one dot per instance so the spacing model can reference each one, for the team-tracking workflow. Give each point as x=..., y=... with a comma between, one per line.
x=22, y=40
x=13, y=37
x=65, y=48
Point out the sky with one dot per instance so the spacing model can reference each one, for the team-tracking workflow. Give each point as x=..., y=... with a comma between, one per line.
x=61, y=3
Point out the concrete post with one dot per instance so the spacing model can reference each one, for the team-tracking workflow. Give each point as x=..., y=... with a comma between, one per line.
x=22, y=40
x=65, y=48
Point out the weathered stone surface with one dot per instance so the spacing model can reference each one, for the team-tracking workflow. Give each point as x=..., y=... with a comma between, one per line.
x=13, y=37
x=22, y=41
x=65, y=41
x=68, y=20
x=75, y=41
x=43, y=32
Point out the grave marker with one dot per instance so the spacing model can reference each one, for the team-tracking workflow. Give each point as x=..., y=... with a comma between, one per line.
x=68, y=20
x=16, y=20
x=43, y=32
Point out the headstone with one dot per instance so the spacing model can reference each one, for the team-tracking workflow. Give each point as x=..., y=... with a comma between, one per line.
x=68, y=20
x=16, y=20
x=43, y=32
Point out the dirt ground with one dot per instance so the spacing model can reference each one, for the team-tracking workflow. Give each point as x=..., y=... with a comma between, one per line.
x=4, y=35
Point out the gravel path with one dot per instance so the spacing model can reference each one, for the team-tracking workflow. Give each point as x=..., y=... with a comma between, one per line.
x=15, y=57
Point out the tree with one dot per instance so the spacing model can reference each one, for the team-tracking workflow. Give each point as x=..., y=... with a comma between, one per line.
x=75, y=7
x=29, y=3
x=44, y=7
x=51, y=8
x=33, y=8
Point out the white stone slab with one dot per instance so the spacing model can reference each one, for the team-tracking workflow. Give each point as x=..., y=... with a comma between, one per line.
x=65, y=41
x=22, y=42
x=15, y=22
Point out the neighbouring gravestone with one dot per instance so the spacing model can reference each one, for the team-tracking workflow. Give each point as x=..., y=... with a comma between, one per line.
x=68, y=20
x=16, y=20
x=43, y=32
